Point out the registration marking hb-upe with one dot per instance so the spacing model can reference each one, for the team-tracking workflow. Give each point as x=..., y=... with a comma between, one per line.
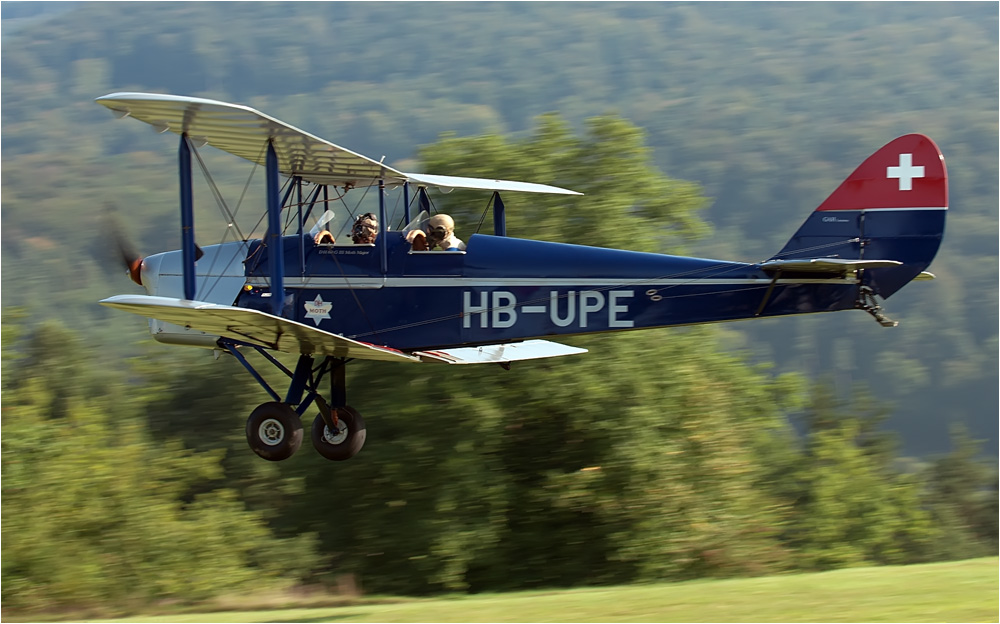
x=499, y=309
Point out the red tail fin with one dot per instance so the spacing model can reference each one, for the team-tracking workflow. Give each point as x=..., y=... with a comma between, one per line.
x=908, y=172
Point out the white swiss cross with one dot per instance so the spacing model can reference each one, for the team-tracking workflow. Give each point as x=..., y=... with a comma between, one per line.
x=905, y=172
x=318, y=309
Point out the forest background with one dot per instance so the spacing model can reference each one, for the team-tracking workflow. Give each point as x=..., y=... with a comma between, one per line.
x=736, y=449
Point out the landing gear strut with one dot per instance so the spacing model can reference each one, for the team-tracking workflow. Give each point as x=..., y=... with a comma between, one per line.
x=274, y=429
x=867, y=302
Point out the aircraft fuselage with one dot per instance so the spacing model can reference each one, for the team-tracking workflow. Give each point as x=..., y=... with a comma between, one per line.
x=504, y=289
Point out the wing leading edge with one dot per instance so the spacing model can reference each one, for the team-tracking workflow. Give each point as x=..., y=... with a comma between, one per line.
x=272, y=332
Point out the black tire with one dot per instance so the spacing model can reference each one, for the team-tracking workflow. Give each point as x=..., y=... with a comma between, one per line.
x=349, y=439
x=274, y=431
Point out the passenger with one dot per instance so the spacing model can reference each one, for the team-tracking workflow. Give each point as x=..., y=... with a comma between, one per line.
x=365, y=229
x=439, y=232
x=324, y=238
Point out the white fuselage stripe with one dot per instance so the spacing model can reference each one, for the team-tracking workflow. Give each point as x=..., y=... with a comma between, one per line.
x=513, y=282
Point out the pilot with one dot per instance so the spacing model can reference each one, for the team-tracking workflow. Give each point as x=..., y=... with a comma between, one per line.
x=439, y=232
x=365, y=229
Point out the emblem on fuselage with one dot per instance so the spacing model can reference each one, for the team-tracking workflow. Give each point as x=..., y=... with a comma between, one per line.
x=317, y=309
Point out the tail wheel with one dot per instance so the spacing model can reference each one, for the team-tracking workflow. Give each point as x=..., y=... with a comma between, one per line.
x=346, y=441
x=274, y=431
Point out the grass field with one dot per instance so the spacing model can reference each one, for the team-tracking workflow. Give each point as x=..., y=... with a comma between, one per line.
x=961, y=591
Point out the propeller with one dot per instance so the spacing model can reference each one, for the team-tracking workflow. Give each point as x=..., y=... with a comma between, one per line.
x=127, y=252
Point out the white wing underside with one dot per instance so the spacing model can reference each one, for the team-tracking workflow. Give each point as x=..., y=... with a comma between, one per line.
x=501, y=353
x=243, y=131
x=266, y=330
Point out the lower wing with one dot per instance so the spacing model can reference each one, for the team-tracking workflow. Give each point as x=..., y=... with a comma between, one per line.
x=273, y=332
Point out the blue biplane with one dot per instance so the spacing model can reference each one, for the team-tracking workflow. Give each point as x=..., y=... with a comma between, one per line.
x=498, y=300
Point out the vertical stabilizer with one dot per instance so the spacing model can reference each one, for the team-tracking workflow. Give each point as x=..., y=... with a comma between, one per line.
x=892, y=207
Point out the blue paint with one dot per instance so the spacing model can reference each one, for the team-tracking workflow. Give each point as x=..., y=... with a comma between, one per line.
x=406, y=203
x=187, y=219
x=276, y=264
x=499, y=218
x=432, y=300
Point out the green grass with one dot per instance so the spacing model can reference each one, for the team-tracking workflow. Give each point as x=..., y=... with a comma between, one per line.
x=962, y=591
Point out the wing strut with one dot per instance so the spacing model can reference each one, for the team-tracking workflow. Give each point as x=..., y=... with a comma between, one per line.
x=275, y=253
x=381, y=241
x=499, y=218
x=406, y=203
x=767, y=295
x=187, y=218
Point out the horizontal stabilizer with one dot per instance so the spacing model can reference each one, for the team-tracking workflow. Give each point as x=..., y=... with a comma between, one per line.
x=925, y=276
x=826, y=265
x=253, y=327
x=500, y=353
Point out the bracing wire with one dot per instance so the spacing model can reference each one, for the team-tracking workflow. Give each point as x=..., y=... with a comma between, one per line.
x=228, y=216
x=483, y=216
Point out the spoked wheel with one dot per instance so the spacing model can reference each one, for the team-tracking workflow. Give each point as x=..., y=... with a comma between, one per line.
x=346, y=441
x=274, y=431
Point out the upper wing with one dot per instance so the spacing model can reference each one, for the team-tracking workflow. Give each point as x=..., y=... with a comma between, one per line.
x=253, y=327
x=243, y=131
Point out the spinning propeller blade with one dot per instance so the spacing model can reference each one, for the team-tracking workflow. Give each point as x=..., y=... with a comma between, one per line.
x=127, y=251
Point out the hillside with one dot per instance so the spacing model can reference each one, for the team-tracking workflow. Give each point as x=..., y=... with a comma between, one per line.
x=767, y=106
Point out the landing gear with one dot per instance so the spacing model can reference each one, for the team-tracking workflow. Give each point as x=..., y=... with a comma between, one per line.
x=345, y=440
x=867, y=302
x=274, y=431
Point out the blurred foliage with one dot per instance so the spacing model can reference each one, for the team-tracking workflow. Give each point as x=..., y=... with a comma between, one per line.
x=479, y=479
x=627, y=204
x=963, y=499
x=98, y=514
x=851, y=507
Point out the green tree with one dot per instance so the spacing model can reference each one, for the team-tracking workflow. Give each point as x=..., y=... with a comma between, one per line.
x=98, y=515
x=627, y=202
x=962, y=496
x=850, y=505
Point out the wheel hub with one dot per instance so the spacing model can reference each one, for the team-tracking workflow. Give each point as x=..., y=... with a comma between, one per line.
x=339, y=436
x=271, y=432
